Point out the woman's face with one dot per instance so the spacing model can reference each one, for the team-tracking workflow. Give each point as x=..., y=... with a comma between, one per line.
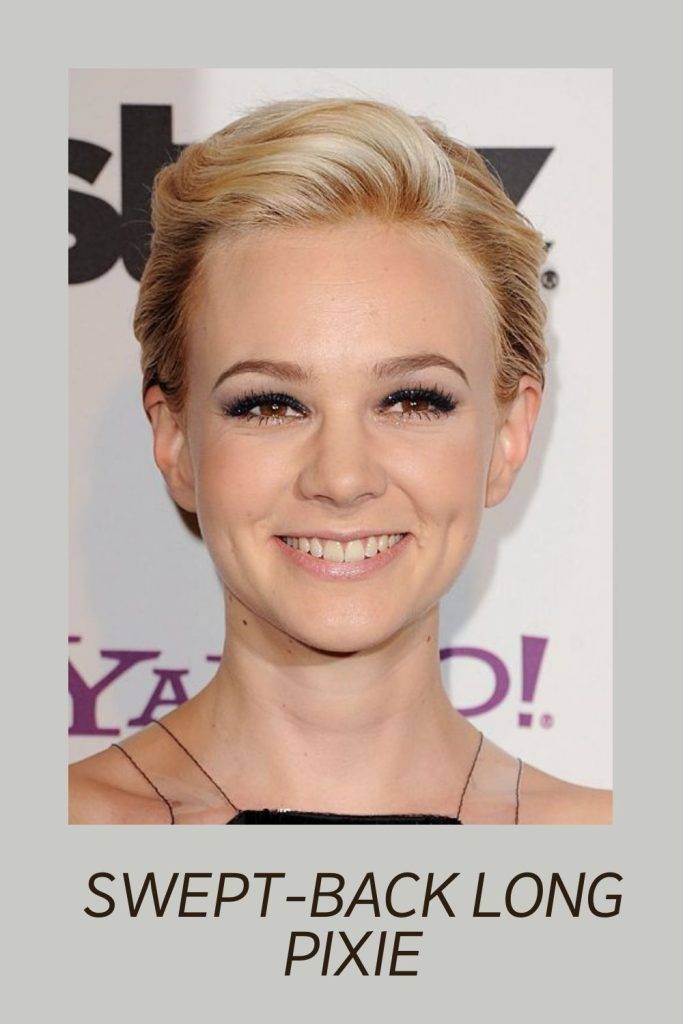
x=341, y=315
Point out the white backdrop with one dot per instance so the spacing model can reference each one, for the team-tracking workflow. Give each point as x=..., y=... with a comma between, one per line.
x=535, y=601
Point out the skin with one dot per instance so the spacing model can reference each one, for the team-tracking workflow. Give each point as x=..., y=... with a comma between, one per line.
x=329, y=694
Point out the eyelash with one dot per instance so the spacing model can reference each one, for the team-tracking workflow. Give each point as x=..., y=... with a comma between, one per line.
x=443, y=402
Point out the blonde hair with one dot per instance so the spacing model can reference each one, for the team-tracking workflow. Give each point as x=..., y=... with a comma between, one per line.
x=322, y=161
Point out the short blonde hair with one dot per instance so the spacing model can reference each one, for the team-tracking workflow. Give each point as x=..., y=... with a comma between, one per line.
x=323, y=161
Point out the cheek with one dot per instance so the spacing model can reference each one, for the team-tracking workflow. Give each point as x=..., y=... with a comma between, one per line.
x=448, y=474
x=236, y=482
x=454, y=486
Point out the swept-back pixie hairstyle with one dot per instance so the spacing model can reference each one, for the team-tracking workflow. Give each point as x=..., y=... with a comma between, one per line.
x=324, y=161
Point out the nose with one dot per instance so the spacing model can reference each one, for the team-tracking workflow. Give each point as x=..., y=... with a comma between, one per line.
x=341, y=462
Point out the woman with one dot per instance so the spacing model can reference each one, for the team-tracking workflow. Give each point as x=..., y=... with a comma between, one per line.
x=343, y=362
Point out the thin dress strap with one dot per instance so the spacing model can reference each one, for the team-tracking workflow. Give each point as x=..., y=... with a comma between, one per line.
x=469, y=774
x=519, y=778
x=201, y=767
x=238, y=809
x=157, y=791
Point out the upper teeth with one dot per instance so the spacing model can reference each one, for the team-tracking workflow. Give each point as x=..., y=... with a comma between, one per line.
x=352, y=551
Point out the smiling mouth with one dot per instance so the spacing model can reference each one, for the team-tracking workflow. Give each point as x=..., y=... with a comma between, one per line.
x=329, y=550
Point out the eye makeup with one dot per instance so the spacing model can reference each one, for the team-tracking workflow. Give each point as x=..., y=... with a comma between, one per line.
x=442, y=403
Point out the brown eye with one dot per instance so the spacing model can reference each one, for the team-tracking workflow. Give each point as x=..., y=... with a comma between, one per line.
x=415, y=404
x=271, y=410
x=268, y=407
x=428, y=403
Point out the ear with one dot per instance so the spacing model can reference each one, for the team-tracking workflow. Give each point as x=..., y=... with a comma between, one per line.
x=171, y=450
x=513, y=437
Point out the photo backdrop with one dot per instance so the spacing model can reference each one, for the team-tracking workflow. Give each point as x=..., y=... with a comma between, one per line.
x=526, y=631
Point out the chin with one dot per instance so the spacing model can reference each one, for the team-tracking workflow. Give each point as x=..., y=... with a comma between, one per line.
x=340, y=637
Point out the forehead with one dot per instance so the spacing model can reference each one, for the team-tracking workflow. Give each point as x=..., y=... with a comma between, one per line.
x=332, y=296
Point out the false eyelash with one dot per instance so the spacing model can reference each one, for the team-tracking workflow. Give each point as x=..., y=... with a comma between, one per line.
x=238, y=408
x=442, y=400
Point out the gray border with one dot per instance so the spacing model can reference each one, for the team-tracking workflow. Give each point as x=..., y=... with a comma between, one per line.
x=72, y=964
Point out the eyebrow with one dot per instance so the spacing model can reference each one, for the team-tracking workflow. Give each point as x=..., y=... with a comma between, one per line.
x=294, y=372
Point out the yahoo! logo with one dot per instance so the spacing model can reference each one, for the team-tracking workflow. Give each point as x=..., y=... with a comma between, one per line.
x=166, y=686
x=103, y=234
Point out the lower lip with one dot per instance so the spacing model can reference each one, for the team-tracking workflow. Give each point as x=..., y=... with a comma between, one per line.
x=322, y=568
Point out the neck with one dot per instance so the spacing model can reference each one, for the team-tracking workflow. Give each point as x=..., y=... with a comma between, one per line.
x=361, y=731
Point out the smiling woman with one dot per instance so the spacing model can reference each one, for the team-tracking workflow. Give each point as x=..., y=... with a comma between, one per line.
x=343, y=362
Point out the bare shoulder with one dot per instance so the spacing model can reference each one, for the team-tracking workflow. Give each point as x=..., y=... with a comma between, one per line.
x=547, y=800
x=104, y=790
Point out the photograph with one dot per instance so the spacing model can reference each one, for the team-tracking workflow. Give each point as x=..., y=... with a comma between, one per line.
x=340, y=447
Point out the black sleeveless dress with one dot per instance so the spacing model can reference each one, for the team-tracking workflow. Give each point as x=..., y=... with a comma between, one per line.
x=287, y=816
x=284, y=816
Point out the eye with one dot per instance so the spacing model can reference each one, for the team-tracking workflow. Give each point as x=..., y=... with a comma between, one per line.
x=429, y=403
x=271, y=406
